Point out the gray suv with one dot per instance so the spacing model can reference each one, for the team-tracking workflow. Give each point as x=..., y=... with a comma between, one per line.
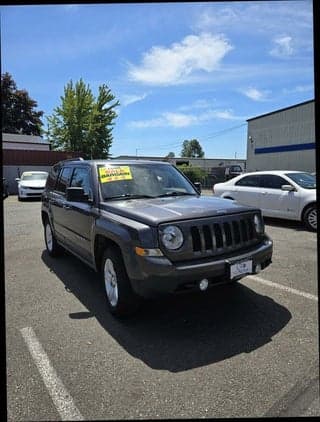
x=147, y=229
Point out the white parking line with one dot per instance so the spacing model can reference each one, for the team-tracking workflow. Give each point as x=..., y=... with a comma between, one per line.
x=60, y=396
x=281, y=287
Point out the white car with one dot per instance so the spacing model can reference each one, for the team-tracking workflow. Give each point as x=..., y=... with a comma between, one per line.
x=31, y=184
x=279, y=193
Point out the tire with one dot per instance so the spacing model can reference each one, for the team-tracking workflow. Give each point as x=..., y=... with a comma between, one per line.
x=122, y=301
x=310, y=218
x=52, y=246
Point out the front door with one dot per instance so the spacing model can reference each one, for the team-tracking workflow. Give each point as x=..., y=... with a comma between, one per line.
x=80, y=215
x=276, y=202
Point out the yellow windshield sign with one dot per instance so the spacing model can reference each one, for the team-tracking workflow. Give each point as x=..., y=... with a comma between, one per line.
x=112, y=174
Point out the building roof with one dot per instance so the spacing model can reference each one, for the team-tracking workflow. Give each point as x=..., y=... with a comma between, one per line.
x=281, y=109
x=30, y=139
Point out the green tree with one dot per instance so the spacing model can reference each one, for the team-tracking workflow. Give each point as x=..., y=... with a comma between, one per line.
x=83, y=123
x=195, y=174
x=170, y=155
x=18, y=109
x=192, y=149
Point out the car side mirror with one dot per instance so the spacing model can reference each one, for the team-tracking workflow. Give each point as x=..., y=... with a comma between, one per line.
x=288, y=188
x=77, y=194
x=197, y=185
x=17, y=179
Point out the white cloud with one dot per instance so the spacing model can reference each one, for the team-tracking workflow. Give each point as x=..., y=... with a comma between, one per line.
x=299, y=88
x=263, y=17
x=255, y=94
x=178, y=120
x=283, y=47
x=169, y=66
x=130, y=99
x=198, y=104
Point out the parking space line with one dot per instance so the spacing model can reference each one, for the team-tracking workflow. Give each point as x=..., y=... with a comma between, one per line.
x=60, y=396
x=281, y=287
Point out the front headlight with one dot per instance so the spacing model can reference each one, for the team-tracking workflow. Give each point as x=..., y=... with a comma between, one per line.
x=172, y=237
x=258, y=223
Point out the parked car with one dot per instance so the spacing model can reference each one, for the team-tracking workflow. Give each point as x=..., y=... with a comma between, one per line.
x=282, y=194
x=5, y=188
x=147, y=230
x=233, y=171
x=31, y=184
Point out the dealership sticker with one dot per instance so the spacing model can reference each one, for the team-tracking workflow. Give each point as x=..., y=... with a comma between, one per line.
x=112, y=174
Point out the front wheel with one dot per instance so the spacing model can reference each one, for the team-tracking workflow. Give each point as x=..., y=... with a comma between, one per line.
x=121, y=299
x=310, y=218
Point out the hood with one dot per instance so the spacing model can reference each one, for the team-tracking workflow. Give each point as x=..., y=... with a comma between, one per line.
x=161, y=210
x=32, y=183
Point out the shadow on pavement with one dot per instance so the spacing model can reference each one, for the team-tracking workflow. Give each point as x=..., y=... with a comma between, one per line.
x=178, y=332
x=287, y=224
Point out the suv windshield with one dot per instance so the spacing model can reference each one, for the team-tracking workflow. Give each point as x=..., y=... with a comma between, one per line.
x=142, y=181
x=305, y=180
x=34, y=176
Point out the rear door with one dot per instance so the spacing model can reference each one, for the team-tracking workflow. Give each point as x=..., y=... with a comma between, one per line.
x=247, y=190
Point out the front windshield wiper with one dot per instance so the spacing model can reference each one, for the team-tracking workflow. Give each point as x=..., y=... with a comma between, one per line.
x=128, y=196
x=175, y=193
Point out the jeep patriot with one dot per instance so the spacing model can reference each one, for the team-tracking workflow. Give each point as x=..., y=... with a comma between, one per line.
x=148, y=230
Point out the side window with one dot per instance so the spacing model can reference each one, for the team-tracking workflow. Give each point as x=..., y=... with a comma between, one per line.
x=81, y=178
x=250, y=181
x=272, y=181
x=64, y=179
x=52, y=177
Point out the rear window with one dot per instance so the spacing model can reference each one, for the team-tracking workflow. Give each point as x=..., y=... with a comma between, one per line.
x=252, y=181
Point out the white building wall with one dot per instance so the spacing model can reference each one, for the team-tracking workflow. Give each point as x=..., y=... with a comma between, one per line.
x=294, y=128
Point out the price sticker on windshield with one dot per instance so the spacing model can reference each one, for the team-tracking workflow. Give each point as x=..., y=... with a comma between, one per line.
x=113, y=174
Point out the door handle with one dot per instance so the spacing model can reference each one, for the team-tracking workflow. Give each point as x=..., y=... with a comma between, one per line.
x=66, y=207
x=264, y=193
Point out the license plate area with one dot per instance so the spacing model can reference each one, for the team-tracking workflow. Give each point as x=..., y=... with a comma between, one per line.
x=239, y=268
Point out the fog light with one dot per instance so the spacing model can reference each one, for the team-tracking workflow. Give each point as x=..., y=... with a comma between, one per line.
x=203, y=285
x=258, y=268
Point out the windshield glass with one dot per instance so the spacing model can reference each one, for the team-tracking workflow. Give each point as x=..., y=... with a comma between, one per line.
x=142, y=181
x=305, y=180
x=34, y=176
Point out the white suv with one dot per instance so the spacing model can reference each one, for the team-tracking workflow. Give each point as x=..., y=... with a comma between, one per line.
x=279, y=193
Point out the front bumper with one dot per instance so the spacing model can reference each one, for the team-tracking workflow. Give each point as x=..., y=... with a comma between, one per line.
x=157, y=275
x=30, y=192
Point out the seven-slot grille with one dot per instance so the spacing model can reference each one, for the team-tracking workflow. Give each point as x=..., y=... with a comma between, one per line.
x=231, y=234
x=215, y=236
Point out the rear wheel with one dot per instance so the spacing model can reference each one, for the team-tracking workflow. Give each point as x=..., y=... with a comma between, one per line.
x=52, y=246
x=121, y=299
x=310, y=218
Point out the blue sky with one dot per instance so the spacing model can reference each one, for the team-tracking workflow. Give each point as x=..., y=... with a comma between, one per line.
x=180, y=70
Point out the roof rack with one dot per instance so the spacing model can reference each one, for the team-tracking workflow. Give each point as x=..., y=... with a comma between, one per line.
x=74, y=159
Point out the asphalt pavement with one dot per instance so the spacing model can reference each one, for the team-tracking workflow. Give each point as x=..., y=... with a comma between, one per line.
x=248, y=350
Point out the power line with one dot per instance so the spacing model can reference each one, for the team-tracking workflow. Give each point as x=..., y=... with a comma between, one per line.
x=203, y=139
